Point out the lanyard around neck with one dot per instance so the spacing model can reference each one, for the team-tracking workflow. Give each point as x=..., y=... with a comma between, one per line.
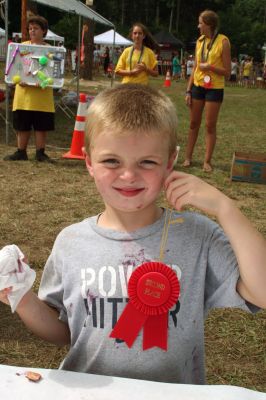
x=131, y=55
x=203, y=57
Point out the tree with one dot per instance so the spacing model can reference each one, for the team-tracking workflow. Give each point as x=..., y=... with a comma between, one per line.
x=86, y=65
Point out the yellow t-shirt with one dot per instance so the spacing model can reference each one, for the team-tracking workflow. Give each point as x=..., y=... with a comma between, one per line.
x=247, y=68
x=214, y=58
x=33, y=98
x=148, y=57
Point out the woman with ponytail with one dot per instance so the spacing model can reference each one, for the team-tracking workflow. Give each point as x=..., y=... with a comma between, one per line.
x=206, y=84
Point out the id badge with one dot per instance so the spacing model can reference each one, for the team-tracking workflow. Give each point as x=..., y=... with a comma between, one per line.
x=207, y=81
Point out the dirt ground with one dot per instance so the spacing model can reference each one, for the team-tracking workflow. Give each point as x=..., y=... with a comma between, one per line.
x=38, y=200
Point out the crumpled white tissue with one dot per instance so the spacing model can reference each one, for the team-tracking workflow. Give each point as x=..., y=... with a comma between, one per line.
x=16, y=273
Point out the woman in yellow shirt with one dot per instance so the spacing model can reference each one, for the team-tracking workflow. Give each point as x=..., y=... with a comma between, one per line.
x=138, y=62
x=33, y=107
x=247, y=68
x=206, y=85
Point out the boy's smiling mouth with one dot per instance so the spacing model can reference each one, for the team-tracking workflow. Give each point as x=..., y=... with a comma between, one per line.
x=129, y=192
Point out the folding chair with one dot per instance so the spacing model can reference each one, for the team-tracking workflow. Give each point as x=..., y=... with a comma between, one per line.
x=3, y=108
x=61, y=104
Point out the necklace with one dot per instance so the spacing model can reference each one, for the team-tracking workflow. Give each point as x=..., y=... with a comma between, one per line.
x=131, y=55
x=204, y=57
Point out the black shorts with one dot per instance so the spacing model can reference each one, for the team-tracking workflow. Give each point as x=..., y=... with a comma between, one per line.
x=24, y=120
x=200, y=93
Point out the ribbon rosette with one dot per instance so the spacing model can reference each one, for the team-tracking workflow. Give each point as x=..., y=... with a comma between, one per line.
x=153, y=289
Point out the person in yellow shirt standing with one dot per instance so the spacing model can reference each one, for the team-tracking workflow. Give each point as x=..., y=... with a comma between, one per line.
x=33, y=107
x=247, y=69
x=206, y=85
x=138, y=62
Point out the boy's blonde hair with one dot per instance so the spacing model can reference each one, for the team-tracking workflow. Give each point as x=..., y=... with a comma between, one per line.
x=135, y=109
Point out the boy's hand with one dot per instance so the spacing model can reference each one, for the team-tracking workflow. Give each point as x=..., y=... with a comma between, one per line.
x=4, y=295
x=16, y=277
x=183, y=189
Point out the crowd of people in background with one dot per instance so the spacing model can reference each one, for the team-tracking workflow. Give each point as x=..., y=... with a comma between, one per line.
x=244, y=70
x=247, y=72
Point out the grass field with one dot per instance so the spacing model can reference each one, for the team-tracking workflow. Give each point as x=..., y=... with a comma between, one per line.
x=38, y=200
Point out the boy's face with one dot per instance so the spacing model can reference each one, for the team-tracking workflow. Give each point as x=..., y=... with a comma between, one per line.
x=36, y=33
x=129, y=171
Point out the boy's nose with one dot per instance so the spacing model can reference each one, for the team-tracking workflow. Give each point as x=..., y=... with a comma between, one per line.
x=128, y=174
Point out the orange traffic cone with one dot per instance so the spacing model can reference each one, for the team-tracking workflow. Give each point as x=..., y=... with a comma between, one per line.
x=78, y=134
x=167, y=82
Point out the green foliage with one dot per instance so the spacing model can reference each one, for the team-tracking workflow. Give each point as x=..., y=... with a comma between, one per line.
x=243, y=21
x=68, y=27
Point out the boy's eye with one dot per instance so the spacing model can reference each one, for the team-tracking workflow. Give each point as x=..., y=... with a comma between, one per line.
x=111, y=162
x=148, y=164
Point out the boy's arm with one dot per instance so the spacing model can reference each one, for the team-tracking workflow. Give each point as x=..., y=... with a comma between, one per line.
x=248, y=244
x=43, y=320
x=250, y=249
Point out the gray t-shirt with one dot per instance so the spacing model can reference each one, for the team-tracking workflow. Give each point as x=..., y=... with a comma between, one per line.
x=86, y=277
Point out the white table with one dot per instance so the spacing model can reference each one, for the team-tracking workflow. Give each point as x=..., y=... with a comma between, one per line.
x=65, y=385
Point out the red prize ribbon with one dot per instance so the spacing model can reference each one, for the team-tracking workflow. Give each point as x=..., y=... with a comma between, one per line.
x=153, y=289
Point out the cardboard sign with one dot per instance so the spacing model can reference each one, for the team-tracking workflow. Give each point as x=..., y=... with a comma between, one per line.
x=249, y=167
x=35, y=65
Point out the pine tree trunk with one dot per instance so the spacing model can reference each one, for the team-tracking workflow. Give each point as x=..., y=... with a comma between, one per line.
x=171, y=18
x=87, y=64
x=177, y=15
x=122, y=12
x=157, y=17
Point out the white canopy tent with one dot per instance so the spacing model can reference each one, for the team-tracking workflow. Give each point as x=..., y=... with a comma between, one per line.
x=111, y=37
x=49, y=36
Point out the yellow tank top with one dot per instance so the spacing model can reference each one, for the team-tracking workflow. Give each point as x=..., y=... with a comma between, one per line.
x=214, y=57
x=33, y=98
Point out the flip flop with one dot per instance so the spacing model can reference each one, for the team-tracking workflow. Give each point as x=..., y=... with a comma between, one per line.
x=207, y=167
x=186, y=163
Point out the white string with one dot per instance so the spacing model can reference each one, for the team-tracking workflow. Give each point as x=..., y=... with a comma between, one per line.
x=167, y=219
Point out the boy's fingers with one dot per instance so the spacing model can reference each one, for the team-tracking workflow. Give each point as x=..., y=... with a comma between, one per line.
x=177, y=195
x=174, y=175
x=6, y=291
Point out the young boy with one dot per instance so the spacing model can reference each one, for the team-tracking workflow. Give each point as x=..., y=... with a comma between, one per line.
x=33, y=107
x=130, y=151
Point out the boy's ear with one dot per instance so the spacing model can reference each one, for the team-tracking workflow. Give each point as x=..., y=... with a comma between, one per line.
x=88, y=161
x=173, y=159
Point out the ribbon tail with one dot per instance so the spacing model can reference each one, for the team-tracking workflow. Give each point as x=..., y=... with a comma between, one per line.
x=155, y=332
x=129, y=324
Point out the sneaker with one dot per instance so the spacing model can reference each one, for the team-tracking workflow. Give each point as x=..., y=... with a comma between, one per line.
x=41, y=156
x=19, y=155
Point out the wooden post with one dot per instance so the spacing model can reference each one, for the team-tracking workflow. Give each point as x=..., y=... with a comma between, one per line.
x=23, y=20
